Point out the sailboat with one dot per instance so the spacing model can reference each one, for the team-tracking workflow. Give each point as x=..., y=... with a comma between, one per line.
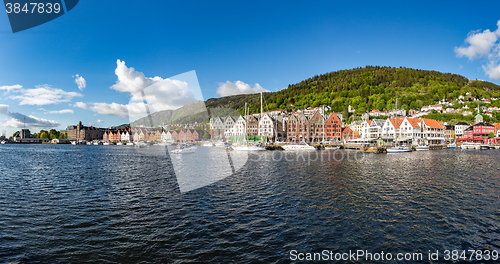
x=245, y=146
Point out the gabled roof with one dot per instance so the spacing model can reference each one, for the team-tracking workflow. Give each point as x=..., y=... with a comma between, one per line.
x=432, y=123
x=396, y=122
x=414, y=122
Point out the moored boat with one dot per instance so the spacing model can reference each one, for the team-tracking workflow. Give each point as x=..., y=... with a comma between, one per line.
x=184, y=149
x=422, y=147
x=255, y=147
x=398, y=149
x=300, y=146
x=451, y=145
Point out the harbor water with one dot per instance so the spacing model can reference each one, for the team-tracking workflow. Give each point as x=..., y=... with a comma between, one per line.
x=117, y=204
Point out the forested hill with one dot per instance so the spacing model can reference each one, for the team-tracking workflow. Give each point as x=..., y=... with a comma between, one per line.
x=371, y=87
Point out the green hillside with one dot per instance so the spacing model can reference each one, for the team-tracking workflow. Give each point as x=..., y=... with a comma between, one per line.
x=189, y=113
x=371, y=87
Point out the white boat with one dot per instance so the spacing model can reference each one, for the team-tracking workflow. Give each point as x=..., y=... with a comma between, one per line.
x=74, y=143
x=255, y=147
x=89, y=143
x=161, y=144
x=221, y=144
x=398, y=149
x=105, y=143
x=130, y=144
x=208, y=144
x=119, y=143
x=140, y=144
x=332, y=147
x=184, y=149
x=97, y=143
x=484, y=146
x=3, y=142
x=451, y=145
x=470, y=145
x=300, y=146
x=422, y=147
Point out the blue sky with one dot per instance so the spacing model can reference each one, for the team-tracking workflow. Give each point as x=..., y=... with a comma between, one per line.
x=232, y=46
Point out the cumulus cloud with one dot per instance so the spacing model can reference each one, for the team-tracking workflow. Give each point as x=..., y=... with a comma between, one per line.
x=43, y=95
x=80, y=81
x=10, y=88
x=18, y=120
x=81, y=105
x=160, y=93
x=131, y=110
x=100, y=121
x=483, y=44
x=64, y=111
x=3, y=109
x=228, y=88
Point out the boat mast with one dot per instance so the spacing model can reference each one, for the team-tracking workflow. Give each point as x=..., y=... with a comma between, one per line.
x=323, y=117
x=245, y=120
x=261, y=110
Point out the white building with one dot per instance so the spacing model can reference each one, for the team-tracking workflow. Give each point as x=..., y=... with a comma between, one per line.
x=460, y=127
x=217, y=127
x=266, y=126
x=229, y=127
x=371, y=129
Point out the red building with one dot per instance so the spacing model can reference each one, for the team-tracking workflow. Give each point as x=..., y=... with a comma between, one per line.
x=480, y=129
x=333, y=129
x=347, y=133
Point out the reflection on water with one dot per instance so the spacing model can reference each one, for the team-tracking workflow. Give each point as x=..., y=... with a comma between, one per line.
x=118, y=204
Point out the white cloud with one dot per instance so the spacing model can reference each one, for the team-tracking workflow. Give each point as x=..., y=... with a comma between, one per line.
x=132, y=110
x=228, y=88
x=160, y=93
x=3, y=109
x=113, y=109
x=19, y=120
x=81, y=105
x=43, y=95
x=64, y=111
x=492, y=69
x=10, y=88
x=100, y=121
x=130, y=80
x=80, y=81
x=483, y=44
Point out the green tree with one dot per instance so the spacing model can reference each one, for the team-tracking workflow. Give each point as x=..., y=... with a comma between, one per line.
x=43, y=131
x=491, y=135
x=206, y=136
x=44, y=134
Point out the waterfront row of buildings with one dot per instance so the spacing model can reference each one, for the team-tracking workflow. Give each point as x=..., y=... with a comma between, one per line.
x=314, y=127
x=132, y=134
x=318, y=127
